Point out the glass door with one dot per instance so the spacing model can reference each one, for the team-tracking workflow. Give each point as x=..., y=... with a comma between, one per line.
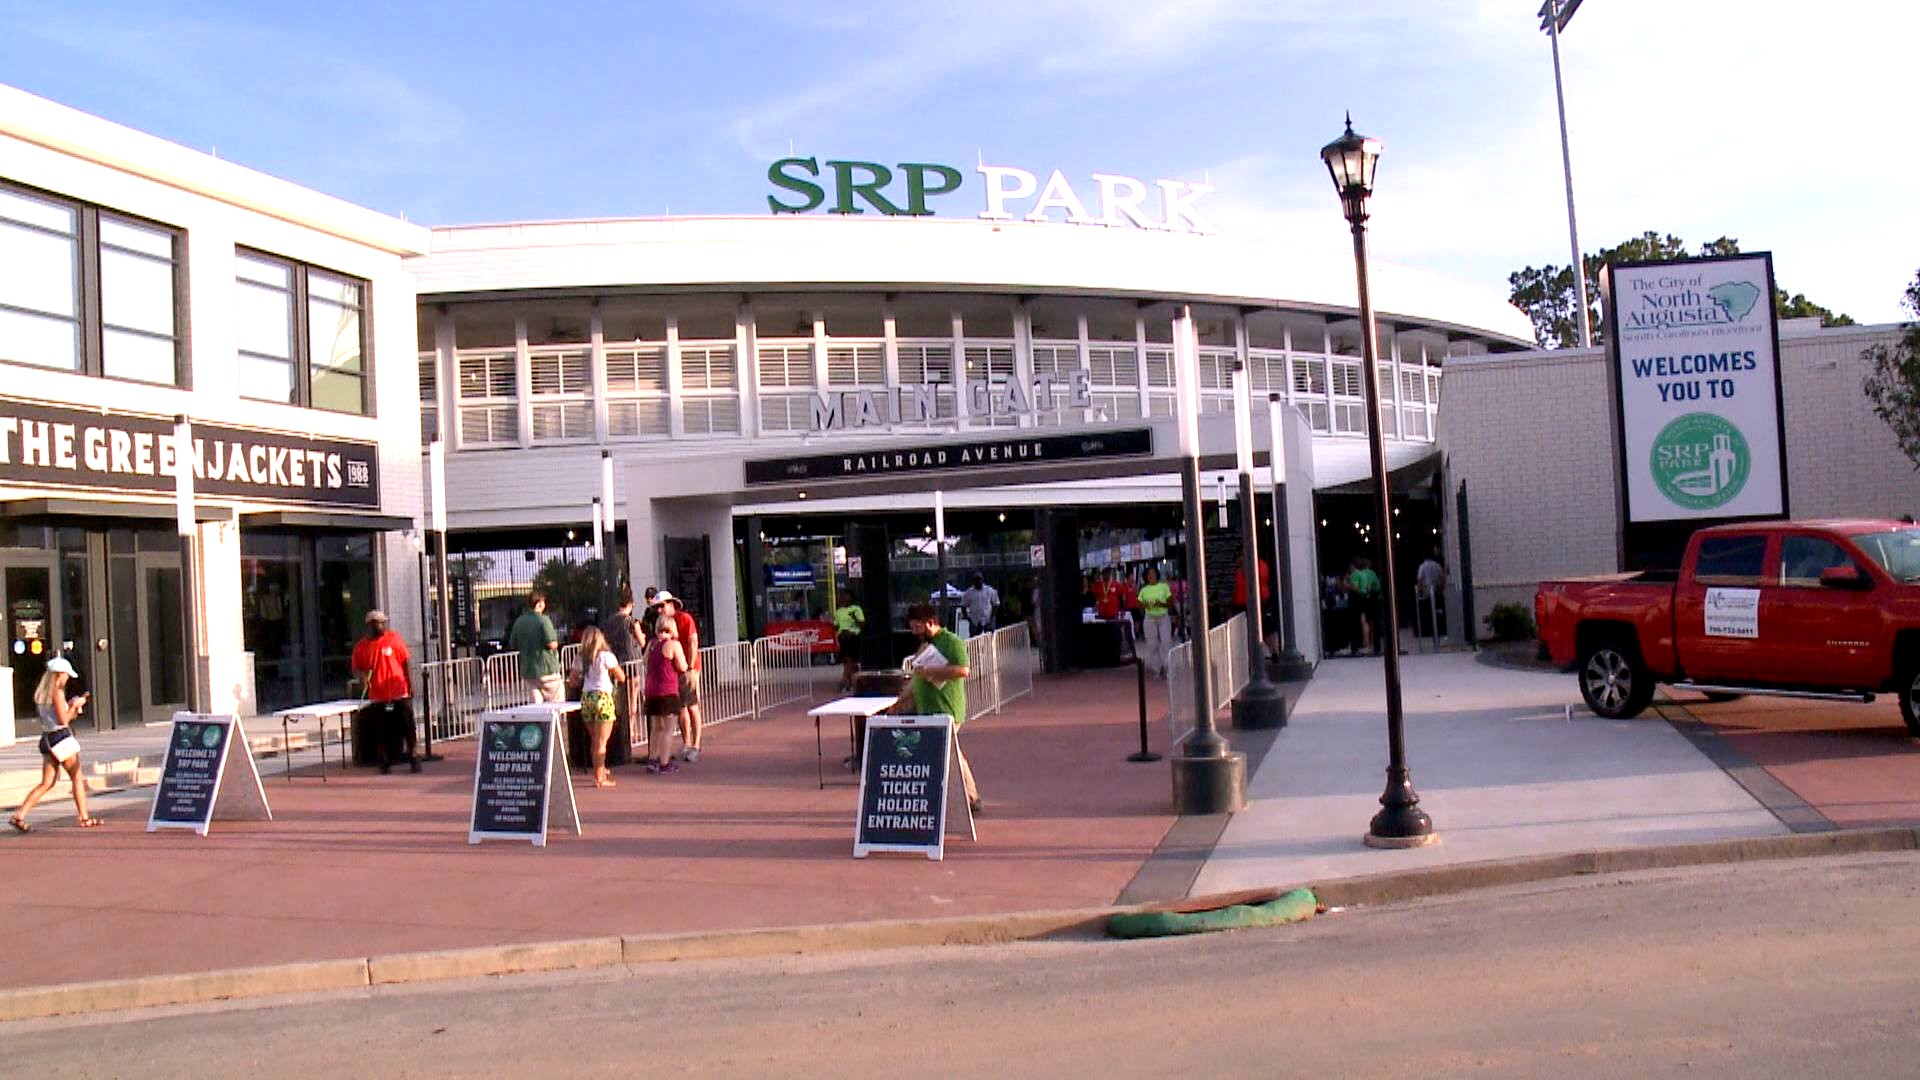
x=33, y=621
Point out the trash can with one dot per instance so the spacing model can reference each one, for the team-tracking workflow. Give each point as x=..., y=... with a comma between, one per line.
x=889, y=683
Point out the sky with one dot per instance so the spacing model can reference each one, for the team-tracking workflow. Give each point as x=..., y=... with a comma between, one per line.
x=1785, y=125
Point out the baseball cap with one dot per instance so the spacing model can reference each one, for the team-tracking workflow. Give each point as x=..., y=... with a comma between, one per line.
x=663, y=596
x=62, y=665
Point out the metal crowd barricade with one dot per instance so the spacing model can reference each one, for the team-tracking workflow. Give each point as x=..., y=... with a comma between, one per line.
x=782, y=670
x=1227, y=656
x=726, y=682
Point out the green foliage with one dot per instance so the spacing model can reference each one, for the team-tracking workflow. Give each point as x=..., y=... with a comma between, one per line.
x=1546, y=293
x=1511, y=622
x=572, y=589
x=1893, y=381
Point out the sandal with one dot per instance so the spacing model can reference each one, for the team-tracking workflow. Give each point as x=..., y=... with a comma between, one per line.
x=19, y=826
x=91, y=822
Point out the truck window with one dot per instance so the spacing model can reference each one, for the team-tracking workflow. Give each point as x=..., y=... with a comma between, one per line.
x=1731, y=560
x=1897, y=552
x=1802, y=558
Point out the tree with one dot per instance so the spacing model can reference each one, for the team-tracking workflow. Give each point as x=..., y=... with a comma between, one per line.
x=1546, y=294
x=1893, y=381
x=572, y=588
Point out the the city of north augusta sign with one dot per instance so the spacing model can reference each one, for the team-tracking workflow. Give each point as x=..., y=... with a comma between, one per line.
x=910, y=188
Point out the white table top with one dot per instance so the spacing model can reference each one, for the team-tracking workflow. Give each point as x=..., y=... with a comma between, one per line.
x=538, y=709
x=854, y=706
x=324, y=708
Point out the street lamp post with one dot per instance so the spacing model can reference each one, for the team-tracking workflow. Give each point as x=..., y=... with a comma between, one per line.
x=1292, y=665
x=1400, y=823
x=1208, y=776
x=611, y=590
x=1554, y=17
x=184, y=519
x=1260, y=704
x=437, y=483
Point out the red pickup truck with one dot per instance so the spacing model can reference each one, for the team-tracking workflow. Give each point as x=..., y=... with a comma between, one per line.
x=1822, y=609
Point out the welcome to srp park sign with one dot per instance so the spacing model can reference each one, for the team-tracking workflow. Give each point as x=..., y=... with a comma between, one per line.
x=1122, y=200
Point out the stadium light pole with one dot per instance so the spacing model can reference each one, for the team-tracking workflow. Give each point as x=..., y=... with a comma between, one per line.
x=1400, y=823
x=1554, y=17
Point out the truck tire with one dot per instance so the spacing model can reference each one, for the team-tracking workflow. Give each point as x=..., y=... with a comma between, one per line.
x=1909, y=687
x=1614, y=681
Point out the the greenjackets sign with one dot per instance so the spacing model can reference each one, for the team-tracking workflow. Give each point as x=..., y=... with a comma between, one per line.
x=83, y=448
x=905, y=190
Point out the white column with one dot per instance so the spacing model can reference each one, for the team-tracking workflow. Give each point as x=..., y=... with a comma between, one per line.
x=1086, y=359
x=1023, y=356
x=523, y=380
x=746, y=342
x=890, y=344
x=676, y=402
x=961, y=406
x=1139, y=360
x=447, y=384
x=228, y=671
x=597, y=373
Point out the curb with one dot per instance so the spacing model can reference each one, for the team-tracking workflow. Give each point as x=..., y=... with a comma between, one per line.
x=1371, y=890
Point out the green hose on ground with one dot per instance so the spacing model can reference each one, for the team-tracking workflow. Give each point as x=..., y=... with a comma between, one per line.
x=1294, y=906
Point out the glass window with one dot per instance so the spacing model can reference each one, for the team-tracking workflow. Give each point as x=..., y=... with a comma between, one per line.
x=1804, y=558
x=301, y=334
x=1731, y=560
x=106, y=311
x=1897, y=551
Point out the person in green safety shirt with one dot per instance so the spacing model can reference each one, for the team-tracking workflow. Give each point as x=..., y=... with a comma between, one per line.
x=1364, y=585
x=940, y=687
x=848, y=621
x=533, y=638
x=1156, y=604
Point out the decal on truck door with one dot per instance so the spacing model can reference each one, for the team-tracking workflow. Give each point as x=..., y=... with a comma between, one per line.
x=1733, y=613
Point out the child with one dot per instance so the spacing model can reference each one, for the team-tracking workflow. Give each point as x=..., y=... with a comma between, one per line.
x=596, y=697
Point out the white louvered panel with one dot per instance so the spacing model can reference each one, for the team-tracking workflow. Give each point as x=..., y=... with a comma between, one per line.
x=1215, y=403
x=1116, y=406
x=856, y=365
x=786, y=412
x=429, y=423
x=993, y=363
x=925, y=363
x=486, y=375
x=706, y=367
x=1309, y=375
x=1216, y=369
x=784, y=365
x=562, y=421
x=554, y=373
x=1268, y=370
x=1318, y=417
x=1110, y=366
x=1350, y=418
x=637, y=370
x=429, y=378
x=711, y=415
x=484, y=424
x=1346, y=379
x=1433, y=386
x=945, y=408
x=1413, y=386
x=1160, y=404
x=1417, y=425
x=633, y=418
x=1160, y=367
x=1055, y=360
x=1389, y=421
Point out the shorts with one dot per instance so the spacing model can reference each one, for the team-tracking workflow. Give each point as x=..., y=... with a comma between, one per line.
x=663, y=705
x=689, y=689
x=548, y=688
x=849, y=645
x=596, y=707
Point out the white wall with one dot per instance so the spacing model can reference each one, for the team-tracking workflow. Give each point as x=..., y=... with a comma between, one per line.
x=1532, y=437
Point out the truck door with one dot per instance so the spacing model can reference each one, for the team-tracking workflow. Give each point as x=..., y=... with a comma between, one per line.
x=1717, y=629
x=1820, y=618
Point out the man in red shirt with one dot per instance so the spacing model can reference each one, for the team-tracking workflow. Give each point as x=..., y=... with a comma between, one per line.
x=380, y=662
x=689, y=631
x=1106, y=594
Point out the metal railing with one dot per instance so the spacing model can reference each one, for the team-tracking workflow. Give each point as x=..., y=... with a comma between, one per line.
x=783, y=669
x=1226, y=656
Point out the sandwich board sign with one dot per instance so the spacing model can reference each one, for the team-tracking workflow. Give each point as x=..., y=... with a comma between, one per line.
x=208, y=773
x=520, y=776
x=909, y=795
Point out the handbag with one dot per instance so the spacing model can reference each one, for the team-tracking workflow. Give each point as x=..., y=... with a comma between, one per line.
x=60, y=744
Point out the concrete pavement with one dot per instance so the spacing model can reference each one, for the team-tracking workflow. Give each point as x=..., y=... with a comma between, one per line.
x=1497, y=764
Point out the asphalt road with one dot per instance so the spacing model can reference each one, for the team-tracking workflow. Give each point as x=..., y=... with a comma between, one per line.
x=1784, y=969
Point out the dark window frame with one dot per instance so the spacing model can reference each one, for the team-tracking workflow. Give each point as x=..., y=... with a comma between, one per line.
x=301, y=344
x=1739, y=580
x=89, y=315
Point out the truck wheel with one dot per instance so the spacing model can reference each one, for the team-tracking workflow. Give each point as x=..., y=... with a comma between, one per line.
x=1910, y=696
x=1613, y=680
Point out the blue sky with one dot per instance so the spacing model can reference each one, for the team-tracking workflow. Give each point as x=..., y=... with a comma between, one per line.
x=1785, y=125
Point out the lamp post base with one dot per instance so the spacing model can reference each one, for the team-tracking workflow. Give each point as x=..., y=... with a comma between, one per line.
x=1261, y=706
x=1373, y=841
x=1290, y=666
x=1210, y=785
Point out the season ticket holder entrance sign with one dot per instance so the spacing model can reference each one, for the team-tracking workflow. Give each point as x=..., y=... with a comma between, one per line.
x=905, y=792
x=199, y=780
x=520, y=777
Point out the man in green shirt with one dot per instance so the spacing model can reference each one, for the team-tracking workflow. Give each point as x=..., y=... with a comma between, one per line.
x=533, y=638
x=1364, y=584
x=848, y=621
x=941, y=688
x=1156, y=604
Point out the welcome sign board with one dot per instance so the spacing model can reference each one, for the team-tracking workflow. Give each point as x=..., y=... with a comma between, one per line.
x=1697, y=377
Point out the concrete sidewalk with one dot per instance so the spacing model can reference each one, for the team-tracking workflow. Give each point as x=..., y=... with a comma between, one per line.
x=1497, y=764
x=131, y=757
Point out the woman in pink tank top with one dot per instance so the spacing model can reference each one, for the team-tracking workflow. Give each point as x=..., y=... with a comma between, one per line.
x=666, y=662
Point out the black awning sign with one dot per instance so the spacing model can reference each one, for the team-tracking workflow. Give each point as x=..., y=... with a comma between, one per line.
x=921, y=457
